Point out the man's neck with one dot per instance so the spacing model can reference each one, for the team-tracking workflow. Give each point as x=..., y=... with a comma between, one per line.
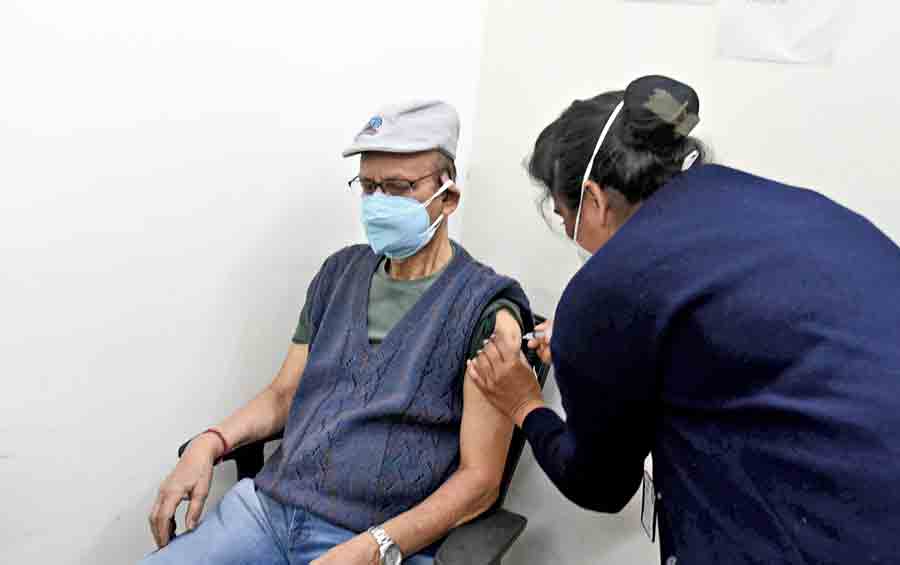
x=428, y=261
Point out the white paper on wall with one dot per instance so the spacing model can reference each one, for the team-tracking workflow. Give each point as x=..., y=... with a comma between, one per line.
x=674, y=1
x=785, y=31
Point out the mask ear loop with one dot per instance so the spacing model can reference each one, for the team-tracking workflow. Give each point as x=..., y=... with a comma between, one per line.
x=587, y=172
x=441, y=190
x=433, y=227
x=690, y=160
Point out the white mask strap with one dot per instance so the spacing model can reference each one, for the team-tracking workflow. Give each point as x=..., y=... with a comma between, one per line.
x=433, y=227
x=443, y=188
x=690, y=160
x=587, y=172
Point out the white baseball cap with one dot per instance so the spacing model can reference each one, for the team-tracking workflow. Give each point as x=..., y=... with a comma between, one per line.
x=410, y=128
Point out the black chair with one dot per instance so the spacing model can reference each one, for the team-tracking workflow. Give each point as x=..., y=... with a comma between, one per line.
x=483, y=541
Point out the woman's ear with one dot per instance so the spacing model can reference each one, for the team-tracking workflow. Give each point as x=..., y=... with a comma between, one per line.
x=596, y=195
x=597, y=199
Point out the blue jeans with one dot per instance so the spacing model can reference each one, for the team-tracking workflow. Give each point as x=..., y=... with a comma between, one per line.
x=249, y=527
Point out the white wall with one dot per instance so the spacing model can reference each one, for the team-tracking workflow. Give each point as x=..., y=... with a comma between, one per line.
x=170, y=180
x=831, y=128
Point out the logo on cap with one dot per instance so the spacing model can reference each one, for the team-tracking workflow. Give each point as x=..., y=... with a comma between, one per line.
x=372, y=127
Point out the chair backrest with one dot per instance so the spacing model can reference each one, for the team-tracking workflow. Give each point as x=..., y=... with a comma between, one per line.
x=517, y=444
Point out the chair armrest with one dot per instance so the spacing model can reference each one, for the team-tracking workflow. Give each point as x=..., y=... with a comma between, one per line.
x=484, y=541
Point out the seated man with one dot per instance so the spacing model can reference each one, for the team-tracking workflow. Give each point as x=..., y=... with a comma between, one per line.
x=387, y=446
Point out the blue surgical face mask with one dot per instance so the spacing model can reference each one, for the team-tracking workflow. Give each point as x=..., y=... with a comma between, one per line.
x=398, y=226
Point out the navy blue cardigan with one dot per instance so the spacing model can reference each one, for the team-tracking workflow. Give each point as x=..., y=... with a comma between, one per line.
x=747, y=334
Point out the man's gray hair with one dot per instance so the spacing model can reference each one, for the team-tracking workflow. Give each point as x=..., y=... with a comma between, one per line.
x=446, y=163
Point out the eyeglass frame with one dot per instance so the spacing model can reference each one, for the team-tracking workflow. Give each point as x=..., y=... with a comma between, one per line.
x=380, y=185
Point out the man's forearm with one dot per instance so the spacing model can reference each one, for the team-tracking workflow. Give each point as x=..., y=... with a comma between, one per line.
x=268, y=412
x=463, y=497
x=258, y=419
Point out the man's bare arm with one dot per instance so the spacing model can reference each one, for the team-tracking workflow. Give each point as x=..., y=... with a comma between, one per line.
x=258, y=419
x=484, y=442
x=267, y=413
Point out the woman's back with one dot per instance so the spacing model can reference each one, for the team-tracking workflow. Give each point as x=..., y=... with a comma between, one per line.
x=770, y=323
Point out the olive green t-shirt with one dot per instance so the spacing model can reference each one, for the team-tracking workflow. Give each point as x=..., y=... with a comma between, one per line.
x=390, y=300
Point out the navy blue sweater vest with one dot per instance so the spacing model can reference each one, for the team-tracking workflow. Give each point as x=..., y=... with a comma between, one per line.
x=374, y=430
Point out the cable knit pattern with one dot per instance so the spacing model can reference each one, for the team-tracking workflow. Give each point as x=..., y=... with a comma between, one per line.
x=374, y=430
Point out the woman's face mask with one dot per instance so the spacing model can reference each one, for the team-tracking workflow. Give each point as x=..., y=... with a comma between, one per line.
x=399, y=226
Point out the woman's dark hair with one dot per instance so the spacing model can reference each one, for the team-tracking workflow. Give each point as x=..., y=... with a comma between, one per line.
x=645, y=148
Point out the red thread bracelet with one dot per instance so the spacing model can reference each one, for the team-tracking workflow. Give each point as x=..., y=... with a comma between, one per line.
x=222, y=438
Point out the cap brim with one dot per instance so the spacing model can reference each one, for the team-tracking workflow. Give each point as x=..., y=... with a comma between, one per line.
x=356, y=149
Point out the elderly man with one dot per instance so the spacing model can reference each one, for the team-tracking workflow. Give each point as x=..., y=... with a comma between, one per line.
x=387, y=446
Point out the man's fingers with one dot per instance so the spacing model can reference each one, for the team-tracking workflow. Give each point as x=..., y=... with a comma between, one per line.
x=195, y=508
x=167, y=508
x=154, y=512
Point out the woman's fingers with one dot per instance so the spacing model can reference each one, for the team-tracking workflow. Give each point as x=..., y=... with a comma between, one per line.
x=485, y=365
x=472, y=372
x=547, y=328
x=495, y=353
x=545, y=354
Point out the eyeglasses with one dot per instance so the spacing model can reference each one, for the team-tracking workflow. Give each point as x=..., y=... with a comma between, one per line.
x=391, y=187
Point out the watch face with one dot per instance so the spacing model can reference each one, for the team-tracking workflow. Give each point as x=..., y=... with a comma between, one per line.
x=392, y=556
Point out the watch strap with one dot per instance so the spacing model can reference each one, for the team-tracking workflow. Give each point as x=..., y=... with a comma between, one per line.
x=383, y=540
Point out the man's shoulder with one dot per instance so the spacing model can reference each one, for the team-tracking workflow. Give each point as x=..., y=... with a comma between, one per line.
x=345, y=256
x=482, y=268
x=351, y=251
x=501, y=291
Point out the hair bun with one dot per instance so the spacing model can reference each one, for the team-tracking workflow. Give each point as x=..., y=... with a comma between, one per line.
x=658, y=112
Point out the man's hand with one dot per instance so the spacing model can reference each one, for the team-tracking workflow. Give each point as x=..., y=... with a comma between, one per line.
x=506, y=379
x=359, y=550
x=189, y=480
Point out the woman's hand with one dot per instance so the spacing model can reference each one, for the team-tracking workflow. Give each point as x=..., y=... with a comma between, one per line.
x=542, y=344
x=505, y=378
x=359, y=550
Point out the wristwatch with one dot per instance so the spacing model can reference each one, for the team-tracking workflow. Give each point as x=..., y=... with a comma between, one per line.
x=390, y=551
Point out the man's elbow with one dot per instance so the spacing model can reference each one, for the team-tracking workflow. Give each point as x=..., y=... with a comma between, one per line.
x=484, y=491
